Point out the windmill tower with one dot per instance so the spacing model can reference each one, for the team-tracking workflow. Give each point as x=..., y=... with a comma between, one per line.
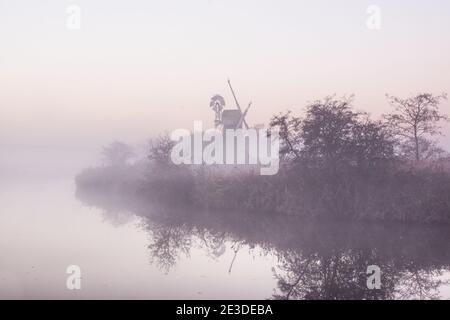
x=228, y=118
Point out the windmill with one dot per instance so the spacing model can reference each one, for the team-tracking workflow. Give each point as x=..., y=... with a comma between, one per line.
x=228, y=118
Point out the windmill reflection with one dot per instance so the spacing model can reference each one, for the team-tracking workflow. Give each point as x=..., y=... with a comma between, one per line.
x=321, y=260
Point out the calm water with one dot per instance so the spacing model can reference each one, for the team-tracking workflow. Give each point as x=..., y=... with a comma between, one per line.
x=127, y=248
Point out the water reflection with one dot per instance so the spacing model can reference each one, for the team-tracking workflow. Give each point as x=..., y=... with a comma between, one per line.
x=315, y=260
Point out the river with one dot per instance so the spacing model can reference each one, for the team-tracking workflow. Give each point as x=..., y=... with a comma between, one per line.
x=128, y=249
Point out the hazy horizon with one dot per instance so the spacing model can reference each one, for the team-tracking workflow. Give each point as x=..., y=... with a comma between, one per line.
x=137, y=68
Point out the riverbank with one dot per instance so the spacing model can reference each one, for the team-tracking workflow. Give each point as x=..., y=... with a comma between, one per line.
x=396, y=193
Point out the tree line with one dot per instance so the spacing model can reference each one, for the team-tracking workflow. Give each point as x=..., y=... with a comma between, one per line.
x=336, y=162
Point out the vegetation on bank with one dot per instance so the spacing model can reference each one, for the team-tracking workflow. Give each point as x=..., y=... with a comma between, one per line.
x=336, y=163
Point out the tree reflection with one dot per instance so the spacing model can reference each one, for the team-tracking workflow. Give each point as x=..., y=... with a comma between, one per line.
x=321, y=260
x=343, y=276
x=338, y=270
x=167, y=244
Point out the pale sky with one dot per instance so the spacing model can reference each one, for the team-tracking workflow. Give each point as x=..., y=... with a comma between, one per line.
x=136, y=68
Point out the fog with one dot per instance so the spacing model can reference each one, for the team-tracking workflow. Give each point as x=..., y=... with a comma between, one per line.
x=136, y=69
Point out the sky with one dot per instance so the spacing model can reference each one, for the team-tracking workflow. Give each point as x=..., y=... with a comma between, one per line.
x=136, y=68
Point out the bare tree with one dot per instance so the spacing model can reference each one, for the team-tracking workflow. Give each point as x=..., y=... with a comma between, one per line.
x=160, y=148
x=290, y=133
x=416, y=117
x=428, y=149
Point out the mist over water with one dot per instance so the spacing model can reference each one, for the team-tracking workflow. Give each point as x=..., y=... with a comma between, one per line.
x=129, y=248
x=44, y=229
